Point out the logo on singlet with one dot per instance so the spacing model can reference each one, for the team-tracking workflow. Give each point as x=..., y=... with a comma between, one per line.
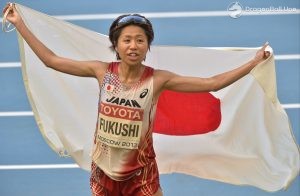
x=144, y=93
x=123, y=102
x=109, y=88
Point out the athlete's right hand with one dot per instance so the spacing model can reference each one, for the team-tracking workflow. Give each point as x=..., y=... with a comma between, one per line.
x=13, y=15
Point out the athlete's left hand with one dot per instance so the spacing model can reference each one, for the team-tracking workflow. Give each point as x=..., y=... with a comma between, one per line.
x=262, y=54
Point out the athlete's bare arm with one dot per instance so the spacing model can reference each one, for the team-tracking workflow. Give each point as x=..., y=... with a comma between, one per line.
x=165, y=80
x=50, y=59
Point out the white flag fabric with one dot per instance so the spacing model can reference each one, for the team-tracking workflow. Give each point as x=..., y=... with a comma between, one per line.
x=246, y=139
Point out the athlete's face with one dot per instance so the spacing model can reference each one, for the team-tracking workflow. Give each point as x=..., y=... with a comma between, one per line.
x=132, y=45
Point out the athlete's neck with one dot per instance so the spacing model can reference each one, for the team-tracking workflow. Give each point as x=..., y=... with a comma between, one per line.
x=130, y=74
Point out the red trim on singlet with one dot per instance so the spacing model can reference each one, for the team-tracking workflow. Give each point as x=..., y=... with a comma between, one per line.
x=113, y=68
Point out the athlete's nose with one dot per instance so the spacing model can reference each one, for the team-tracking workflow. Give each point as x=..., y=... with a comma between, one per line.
x=133, y=45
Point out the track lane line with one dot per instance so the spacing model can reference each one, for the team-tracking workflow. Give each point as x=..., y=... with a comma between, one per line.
x=277, y=57
x=30, y=113
x=182, y=14
x=42, y=166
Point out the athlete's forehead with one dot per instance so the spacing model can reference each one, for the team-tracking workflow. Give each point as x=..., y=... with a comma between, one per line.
x=133, y=31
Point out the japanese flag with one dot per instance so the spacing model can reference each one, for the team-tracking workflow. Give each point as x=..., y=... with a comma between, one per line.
x=239, y=135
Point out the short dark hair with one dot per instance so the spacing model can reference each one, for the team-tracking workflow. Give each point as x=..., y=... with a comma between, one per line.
x=125, y=20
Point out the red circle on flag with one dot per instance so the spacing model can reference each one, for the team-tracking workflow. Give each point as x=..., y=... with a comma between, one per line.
x=187, y=113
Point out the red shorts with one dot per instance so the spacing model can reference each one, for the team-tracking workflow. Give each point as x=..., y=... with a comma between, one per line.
x=144, y=182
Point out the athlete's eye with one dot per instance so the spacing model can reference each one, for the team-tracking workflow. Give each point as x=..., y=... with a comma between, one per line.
x=126, y=40
x=140, y=40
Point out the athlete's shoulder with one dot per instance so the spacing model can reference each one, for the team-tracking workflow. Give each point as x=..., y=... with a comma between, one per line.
x=162, y=73
x=100, y=69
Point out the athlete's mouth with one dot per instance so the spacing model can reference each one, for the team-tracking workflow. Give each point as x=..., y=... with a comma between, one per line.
x=133, y=54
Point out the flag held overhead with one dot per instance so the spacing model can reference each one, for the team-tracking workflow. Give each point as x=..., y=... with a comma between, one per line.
x=239, y=135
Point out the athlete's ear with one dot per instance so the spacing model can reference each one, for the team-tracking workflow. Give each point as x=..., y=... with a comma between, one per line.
x=116, y=46
x=117, y=53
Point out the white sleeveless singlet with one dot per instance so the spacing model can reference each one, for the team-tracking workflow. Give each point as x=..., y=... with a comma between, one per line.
x=123, y=137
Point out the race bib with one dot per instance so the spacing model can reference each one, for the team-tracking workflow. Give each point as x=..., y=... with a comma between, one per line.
x=120, y=126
